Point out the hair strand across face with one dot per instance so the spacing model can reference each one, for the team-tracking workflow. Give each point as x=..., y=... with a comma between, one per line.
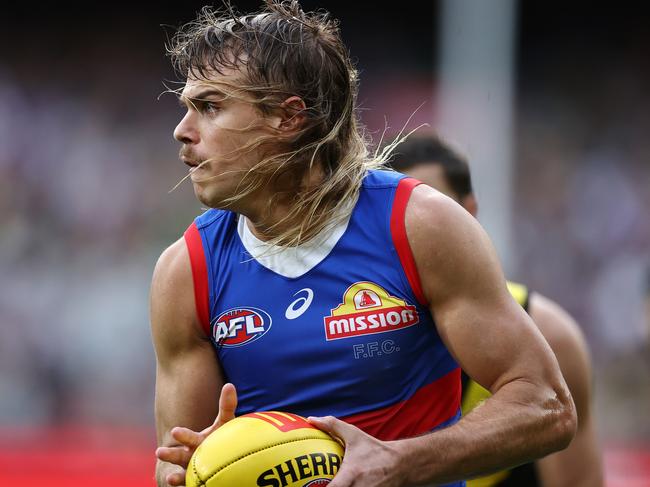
x=278, y=53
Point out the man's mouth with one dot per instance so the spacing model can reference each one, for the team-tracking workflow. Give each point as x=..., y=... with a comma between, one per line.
x=191, y=163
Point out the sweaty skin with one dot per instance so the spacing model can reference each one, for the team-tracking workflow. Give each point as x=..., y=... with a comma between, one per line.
x=187, y=372
x=580, y=464
x=530, y=413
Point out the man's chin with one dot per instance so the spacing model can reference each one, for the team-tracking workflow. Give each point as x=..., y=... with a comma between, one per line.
x=207, y=199
x=204, y=199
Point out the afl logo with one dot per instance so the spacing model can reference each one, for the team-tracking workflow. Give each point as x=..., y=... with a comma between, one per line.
x=317, y=483
x=240, y=326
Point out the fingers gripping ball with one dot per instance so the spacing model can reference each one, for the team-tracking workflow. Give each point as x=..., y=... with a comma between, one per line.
x=265, y=449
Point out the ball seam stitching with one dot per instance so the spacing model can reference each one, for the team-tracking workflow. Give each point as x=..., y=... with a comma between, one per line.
x=259, y=450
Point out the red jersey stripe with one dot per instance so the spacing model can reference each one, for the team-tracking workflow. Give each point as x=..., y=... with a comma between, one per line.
x=400, y=240
x=429, y=407
x=199, y=276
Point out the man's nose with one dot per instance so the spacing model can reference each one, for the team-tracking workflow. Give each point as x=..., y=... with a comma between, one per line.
x=186, y=131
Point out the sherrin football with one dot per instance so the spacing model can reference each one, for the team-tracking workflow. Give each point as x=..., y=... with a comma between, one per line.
x=265, y=449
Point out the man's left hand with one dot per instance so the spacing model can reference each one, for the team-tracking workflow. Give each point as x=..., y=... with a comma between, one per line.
x=368, y=462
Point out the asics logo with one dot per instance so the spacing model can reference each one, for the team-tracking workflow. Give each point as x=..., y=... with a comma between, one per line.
x=300, y=305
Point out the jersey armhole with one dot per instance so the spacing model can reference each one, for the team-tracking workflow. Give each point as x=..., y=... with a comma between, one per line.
x=400, y=239
x=199, y=275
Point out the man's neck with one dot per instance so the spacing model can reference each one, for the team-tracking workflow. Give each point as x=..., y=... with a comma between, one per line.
x=268, y=222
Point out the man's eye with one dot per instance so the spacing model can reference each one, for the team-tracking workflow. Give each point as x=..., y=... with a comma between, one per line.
x=210, y=108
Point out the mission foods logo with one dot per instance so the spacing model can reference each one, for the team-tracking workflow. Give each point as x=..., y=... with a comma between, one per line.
x=240, y=326
x=367, y=309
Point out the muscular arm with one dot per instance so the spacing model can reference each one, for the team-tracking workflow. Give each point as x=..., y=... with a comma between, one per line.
x=530, y=413
x=188, y=379
x=580, y=464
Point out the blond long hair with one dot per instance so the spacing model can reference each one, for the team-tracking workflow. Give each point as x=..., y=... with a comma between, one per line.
x=283, y=51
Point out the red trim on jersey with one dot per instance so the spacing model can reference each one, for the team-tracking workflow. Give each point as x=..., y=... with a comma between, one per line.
x=400, y=240
x=199, y=276
x=429, y=407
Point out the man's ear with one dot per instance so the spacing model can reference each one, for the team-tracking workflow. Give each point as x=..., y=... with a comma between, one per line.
x=292, y=115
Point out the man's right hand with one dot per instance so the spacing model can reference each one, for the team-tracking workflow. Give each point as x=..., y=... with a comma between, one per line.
x=189, y=440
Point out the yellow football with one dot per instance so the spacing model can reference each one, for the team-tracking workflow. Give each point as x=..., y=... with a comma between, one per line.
x=265, y=449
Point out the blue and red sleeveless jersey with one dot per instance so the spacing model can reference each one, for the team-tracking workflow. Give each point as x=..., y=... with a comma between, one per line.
x=352, y=337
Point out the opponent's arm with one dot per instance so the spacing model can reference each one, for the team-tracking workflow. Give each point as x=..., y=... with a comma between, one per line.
x=530, y=413
x=580, y=464
x=188, y=378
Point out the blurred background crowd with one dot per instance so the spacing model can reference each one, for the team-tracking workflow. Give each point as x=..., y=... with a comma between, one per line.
x=87, y=160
